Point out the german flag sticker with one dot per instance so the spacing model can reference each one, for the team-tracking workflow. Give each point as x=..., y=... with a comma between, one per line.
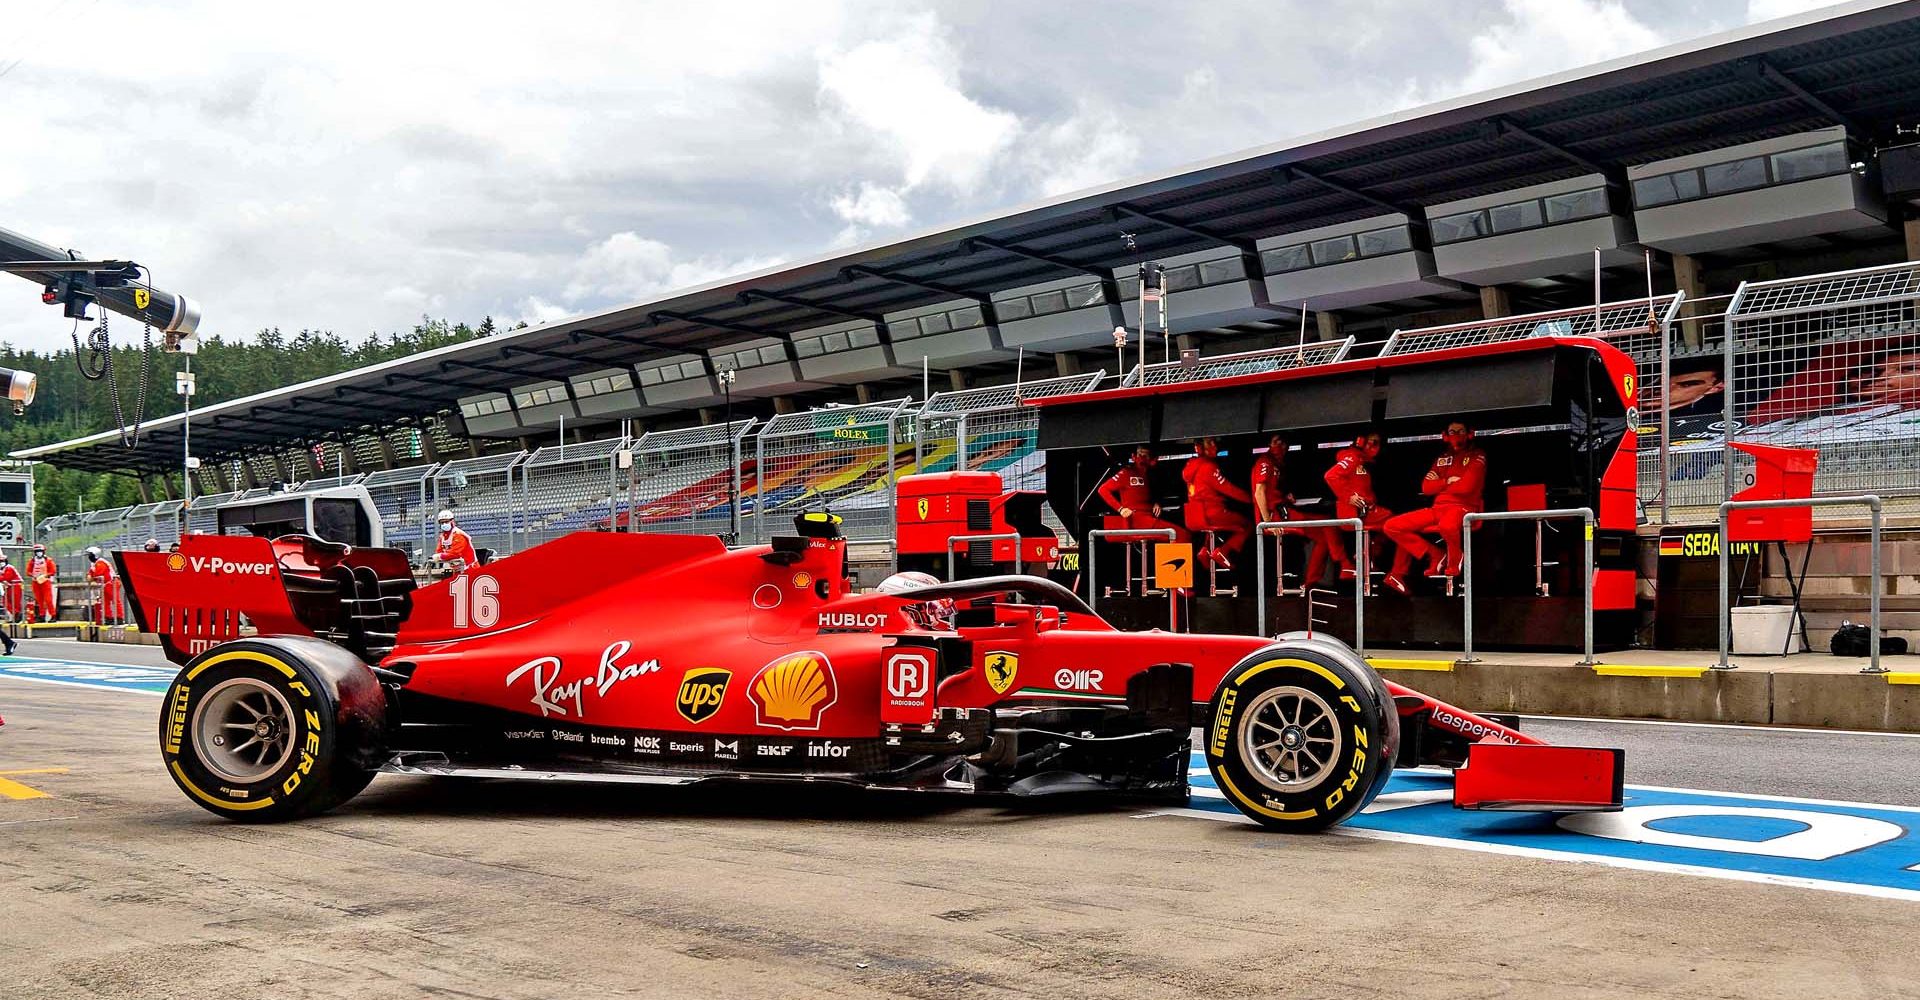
x=1673, y=545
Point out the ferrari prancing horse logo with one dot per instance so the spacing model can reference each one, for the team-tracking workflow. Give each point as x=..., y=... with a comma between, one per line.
x=921, y=508
x=1001, y=669
x=1626, y=383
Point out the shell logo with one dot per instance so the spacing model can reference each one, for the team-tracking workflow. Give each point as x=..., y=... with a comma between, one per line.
x=177, y=562
x=794, y=692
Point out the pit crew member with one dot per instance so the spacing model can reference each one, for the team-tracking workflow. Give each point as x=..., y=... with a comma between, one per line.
x=108, y=607
x=1208, y=490
x=40, y=572
x=1272, y=502
x=11, y=583
x=1352, y=483
x=1456, y=482
x=1130, y=493
x=455, y=550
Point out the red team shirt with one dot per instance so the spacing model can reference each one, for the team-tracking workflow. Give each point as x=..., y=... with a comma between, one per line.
x=1349, y=477
x=1470, y=467
x=1127, y=490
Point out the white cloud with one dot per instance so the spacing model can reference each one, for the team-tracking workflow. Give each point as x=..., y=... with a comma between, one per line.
x=1093, y=147
x=628, y=266
x=905, y=91
x=1546, y=36
x=1767, y=10
x=872, y=205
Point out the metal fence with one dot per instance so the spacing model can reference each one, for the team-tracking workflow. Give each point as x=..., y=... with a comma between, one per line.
x=686, y=480
x=404, y=498
x=570, y=487
x=840, y=458
x=481, y=493
x=1271, y=359
x=1829, y=362
x=991, y=429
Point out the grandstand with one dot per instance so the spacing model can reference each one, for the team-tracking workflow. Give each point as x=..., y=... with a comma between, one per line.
x=1750, y=164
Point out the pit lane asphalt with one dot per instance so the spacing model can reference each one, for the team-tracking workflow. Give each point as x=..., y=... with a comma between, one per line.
x=115, y=885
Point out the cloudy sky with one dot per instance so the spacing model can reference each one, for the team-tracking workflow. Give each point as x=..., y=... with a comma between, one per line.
x=358, y=165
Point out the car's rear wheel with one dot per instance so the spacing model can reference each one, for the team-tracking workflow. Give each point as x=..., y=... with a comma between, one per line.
x=1301, y=736
x=266, y=730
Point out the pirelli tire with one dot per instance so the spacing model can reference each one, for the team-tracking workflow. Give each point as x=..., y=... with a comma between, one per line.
x=265, y=730
x=1301, y=735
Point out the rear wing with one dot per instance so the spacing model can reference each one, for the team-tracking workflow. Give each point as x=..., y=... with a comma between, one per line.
x=216, y=585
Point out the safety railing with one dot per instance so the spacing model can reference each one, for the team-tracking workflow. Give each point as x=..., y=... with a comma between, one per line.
x=571, y=487
x=954, y=541
x=843, y=459
x=1867, y=500
x=1098, y=535
x=1268, y=359
x=1585, y=515
x=690, y=480
x=1361, y=573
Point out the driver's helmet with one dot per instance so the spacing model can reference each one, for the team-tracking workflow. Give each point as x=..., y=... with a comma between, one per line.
x=935, y=615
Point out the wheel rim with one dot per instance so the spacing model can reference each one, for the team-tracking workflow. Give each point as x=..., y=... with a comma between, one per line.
x=243, y=730
x=1291, y=739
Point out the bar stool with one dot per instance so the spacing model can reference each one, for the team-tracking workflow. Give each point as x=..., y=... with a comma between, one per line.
x=1138, y=562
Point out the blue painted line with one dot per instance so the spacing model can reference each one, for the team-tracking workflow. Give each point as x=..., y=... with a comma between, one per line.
x=1843, y=846
x=112, y=676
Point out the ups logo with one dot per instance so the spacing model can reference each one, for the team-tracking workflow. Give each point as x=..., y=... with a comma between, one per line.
x=702, y=689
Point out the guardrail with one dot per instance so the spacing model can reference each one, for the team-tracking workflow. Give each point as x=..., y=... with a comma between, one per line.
x=1002, y=536
x=1094, y=538
x=1585, y=514
x=1867, y=500
x=1360, y=576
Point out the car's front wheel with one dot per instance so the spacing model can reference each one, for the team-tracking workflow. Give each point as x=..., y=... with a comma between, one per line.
x=1301, y=736
x=264, y=730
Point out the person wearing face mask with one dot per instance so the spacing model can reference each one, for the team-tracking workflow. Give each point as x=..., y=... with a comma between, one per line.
x=1208, y=490
x=40, y=572
x=1130, y=493
x=100, y=573
x=11, y=582
x=1456, y=482
x=1351, y=481
x=1272, y=502
x=455, y=549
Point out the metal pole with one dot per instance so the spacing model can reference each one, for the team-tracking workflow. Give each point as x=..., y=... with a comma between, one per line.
x=1874, y=507
x=1732, y=383
x=759, y=485
x=960, y=443
x=893, y=500
x=1586, y=516
x=1596, y=291
x=1093, y=549
x=1359, y=527
x=1666, y=409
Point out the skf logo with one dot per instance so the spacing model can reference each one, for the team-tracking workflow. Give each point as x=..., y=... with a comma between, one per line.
x=702, y=689
x=1626, y=385
x=1001, y=669
x=177, y=562
x=922, y=508
x=793, y=692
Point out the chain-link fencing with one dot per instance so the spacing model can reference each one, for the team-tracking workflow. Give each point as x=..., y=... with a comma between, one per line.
x=571, y=487
x=481, y=492
x=689, y=480
x=404, y=498
x=843, y=459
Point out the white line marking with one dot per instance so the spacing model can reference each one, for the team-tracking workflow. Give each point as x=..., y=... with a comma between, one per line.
x=1634, y=864
x=80, y=684
x=1786, y=730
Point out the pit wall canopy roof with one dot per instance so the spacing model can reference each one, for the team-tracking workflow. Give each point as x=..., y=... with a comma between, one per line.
x=1853, y=64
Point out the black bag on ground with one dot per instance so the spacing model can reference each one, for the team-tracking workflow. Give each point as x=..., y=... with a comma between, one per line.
x=1853, y=640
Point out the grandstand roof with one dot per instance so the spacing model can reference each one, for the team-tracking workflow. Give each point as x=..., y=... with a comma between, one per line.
x=1855, y=64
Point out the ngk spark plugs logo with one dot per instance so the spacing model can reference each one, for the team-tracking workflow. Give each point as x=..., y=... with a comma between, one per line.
x=794, y=692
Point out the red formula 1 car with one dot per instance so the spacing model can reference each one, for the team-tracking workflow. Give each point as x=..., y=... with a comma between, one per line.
x=674, y=660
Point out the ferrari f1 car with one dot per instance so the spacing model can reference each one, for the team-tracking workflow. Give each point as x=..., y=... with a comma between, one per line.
x=661, y=659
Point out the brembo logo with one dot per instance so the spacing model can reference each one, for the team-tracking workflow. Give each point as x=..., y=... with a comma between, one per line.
x=215, y=564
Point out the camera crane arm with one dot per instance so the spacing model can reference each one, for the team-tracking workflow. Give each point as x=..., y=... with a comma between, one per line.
x=116, y=285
